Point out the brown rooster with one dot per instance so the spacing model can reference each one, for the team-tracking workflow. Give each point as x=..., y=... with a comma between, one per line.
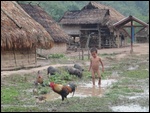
x=63, y=90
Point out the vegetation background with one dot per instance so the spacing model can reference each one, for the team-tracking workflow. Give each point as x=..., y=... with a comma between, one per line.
x=56, y=9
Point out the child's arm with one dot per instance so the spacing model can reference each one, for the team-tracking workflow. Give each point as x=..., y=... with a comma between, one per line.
x=101, y=64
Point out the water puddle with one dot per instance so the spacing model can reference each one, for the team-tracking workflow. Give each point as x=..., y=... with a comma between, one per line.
x=84, y=90
x=130, y=108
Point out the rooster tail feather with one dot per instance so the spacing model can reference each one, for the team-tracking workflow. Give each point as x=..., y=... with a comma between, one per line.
x=73, y=93
x=73, y=87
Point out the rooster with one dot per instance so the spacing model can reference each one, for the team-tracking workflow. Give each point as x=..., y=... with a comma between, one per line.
x=63, y=90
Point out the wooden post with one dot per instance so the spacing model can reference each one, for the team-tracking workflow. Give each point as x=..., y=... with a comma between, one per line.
x=82, y=54
x=88, y=54
x=14, y=56
x=35, y=57
x=131, y=51
x=117, y=38
x=99, y=36
x=79, y=54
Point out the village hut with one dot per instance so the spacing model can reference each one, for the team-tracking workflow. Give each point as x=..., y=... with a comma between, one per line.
x=93, y=25
x=59, y=36
x=20, y=36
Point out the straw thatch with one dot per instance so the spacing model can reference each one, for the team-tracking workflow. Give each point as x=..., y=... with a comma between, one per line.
x=84, y=17
x=19, y=30
x=42, y=17
x=92, y=13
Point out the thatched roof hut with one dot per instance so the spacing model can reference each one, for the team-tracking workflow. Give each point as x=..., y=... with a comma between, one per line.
x=19, y=30
x=92, y=13
x=42, y=17
x=20, y=36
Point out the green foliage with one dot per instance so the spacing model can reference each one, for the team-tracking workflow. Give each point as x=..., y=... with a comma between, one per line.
x=62, y=78
x=56, y=56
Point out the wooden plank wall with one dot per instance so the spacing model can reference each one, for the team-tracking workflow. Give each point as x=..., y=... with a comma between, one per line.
x=16, y=59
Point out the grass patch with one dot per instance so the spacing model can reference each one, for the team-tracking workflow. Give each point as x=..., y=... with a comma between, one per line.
x=9, y=94
x=106, y=54
x=20, y=109
x=56, y=56
x=140, y=74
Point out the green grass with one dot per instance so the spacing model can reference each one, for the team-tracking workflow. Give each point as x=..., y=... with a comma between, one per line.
x=21, y=109
x=9, y=94
x=140, y=74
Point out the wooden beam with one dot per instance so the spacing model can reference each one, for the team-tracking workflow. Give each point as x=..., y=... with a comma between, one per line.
x=133, y=26
x=99, y=37
x=131, y=51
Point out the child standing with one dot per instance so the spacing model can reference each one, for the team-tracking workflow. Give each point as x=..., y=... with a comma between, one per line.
x=94, y=65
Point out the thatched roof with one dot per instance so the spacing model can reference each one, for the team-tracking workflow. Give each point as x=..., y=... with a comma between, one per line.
x=19, y=30
x=84, y=17
x=41, y=16
x=92, y=13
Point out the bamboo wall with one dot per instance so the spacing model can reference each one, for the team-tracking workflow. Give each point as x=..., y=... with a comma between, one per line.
x=17, y=59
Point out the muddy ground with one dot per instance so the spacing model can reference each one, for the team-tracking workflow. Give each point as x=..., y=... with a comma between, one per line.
x=125, y=84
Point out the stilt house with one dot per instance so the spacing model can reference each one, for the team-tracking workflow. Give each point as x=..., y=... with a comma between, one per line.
x=92, y=24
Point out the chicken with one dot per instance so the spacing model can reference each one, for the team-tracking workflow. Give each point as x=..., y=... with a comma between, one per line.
x=39, y=79
x=63, y=90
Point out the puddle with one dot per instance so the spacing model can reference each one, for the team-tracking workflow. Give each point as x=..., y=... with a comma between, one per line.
x=130, y=108
x=84, y=90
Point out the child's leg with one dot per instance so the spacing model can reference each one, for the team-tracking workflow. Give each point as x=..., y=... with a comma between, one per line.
x=99, y=77
x=99, y=81
x=93, y=77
